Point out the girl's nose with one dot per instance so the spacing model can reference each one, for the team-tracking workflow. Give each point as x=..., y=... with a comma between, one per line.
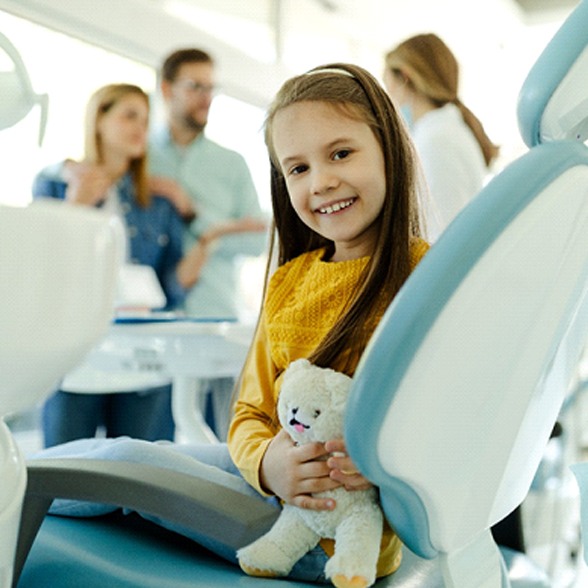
x=323, y=181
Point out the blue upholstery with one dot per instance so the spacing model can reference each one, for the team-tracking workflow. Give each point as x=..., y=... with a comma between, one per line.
x=159, y=558
x=137, y=554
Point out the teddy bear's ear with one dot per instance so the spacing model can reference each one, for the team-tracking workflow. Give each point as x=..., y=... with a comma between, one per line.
x=297, y=367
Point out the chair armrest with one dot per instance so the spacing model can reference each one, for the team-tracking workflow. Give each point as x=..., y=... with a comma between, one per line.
x=223, y=514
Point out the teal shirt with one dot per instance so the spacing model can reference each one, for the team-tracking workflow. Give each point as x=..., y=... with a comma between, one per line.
x=220, y=184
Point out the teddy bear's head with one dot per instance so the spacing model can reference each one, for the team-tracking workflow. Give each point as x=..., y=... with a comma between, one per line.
x=312, y=401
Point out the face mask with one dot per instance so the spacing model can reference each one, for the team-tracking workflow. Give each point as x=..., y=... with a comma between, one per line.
x=406, y=113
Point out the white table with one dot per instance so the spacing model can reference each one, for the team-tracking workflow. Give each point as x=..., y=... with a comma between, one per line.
x=140, y=353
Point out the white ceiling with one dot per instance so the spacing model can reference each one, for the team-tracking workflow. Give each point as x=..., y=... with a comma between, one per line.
x=258, y=42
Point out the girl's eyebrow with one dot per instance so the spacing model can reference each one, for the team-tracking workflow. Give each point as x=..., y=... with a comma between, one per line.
x=288, y=160
x=292, y=158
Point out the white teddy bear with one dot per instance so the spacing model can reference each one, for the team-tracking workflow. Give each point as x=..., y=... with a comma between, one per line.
x=311, y=408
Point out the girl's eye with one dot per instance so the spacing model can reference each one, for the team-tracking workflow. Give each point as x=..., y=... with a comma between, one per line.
x=298, y=170
x=342, y=154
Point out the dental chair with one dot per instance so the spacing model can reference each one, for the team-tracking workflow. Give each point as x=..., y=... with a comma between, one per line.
x=58, y=266
x=451, y=408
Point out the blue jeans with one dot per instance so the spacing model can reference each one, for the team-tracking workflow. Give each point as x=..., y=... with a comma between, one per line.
x=144, y=414
x=209, y=461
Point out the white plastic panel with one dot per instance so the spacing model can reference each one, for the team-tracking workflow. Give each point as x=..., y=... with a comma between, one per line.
x=512, y=301
x=566, y=114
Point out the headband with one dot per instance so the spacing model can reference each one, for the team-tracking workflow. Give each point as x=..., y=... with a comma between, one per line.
x=333, y=70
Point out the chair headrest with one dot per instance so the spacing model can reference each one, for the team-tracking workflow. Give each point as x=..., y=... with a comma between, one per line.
x=553, y=101
x=59, y=264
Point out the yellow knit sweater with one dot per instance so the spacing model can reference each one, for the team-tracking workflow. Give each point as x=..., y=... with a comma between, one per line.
x=304, y=300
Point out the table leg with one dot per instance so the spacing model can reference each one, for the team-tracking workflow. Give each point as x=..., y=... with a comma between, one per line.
x=187, y=411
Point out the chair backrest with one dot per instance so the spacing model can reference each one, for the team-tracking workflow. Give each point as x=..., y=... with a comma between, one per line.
x=463, y=380
x=59, y=266
x=59, y=269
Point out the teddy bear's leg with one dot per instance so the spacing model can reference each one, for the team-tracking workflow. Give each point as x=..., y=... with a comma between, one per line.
x=276, y=552
x=357, y=548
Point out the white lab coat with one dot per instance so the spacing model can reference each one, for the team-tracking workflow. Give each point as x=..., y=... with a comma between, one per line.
x=452, y=163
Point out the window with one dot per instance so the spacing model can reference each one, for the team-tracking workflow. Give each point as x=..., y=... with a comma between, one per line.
x=69, y=71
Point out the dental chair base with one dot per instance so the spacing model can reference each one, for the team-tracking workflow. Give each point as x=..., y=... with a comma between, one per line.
x=12, y=491
x=95, y=551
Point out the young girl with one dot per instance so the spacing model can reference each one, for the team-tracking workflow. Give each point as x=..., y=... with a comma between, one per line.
x=346, y=220
x=113, y=176
x=348, y=236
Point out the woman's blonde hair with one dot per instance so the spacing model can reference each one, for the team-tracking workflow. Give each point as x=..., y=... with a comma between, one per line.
x=99, y=104
x=356, y=94
x=428, y=65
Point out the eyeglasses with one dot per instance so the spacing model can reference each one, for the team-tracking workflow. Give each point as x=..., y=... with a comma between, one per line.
x=196, y=87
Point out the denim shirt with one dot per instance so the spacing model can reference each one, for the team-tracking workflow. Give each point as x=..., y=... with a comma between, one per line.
x=154, y=232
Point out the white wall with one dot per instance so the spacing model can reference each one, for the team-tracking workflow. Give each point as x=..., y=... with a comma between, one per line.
x=493, y=40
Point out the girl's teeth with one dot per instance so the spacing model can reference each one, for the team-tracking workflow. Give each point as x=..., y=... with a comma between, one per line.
x=336, y=207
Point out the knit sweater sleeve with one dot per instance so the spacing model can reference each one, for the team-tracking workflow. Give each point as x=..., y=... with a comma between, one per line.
x=254, y=423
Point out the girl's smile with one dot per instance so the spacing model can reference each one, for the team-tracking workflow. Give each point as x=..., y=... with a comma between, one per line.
x=336, y=207
x=334, y=171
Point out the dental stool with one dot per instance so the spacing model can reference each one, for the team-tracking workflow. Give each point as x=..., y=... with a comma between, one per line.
x=450, y=412
x=59, y=266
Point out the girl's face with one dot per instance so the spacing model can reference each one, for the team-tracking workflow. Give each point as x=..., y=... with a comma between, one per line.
x=123, y=129
x=334, y=171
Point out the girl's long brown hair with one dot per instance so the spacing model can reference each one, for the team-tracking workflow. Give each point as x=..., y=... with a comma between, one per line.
x=99, y=104
x=357, y=94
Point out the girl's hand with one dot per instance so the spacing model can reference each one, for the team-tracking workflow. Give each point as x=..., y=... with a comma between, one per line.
x=294, y=472
x=342, y=469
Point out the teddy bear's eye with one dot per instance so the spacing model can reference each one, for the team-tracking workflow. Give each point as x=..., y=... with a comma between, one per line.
x=317, y=413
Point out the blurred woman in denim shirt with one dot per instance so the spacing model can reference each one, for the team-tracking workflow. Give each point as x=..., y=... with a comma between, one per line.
x=113, y=176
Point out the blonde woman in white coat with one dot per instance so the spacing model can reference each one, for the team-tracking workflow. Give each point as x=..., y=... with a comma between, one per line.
x=422, y=78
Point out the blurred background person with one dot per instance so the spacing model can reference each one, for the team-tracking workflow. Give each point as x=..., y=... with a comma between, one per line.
x=422, y=77
x=113, y=176
x=212, y=187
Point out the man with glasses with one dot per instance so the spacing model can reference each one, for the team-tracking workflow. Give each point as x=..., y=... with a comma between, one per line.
x=212, y=188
